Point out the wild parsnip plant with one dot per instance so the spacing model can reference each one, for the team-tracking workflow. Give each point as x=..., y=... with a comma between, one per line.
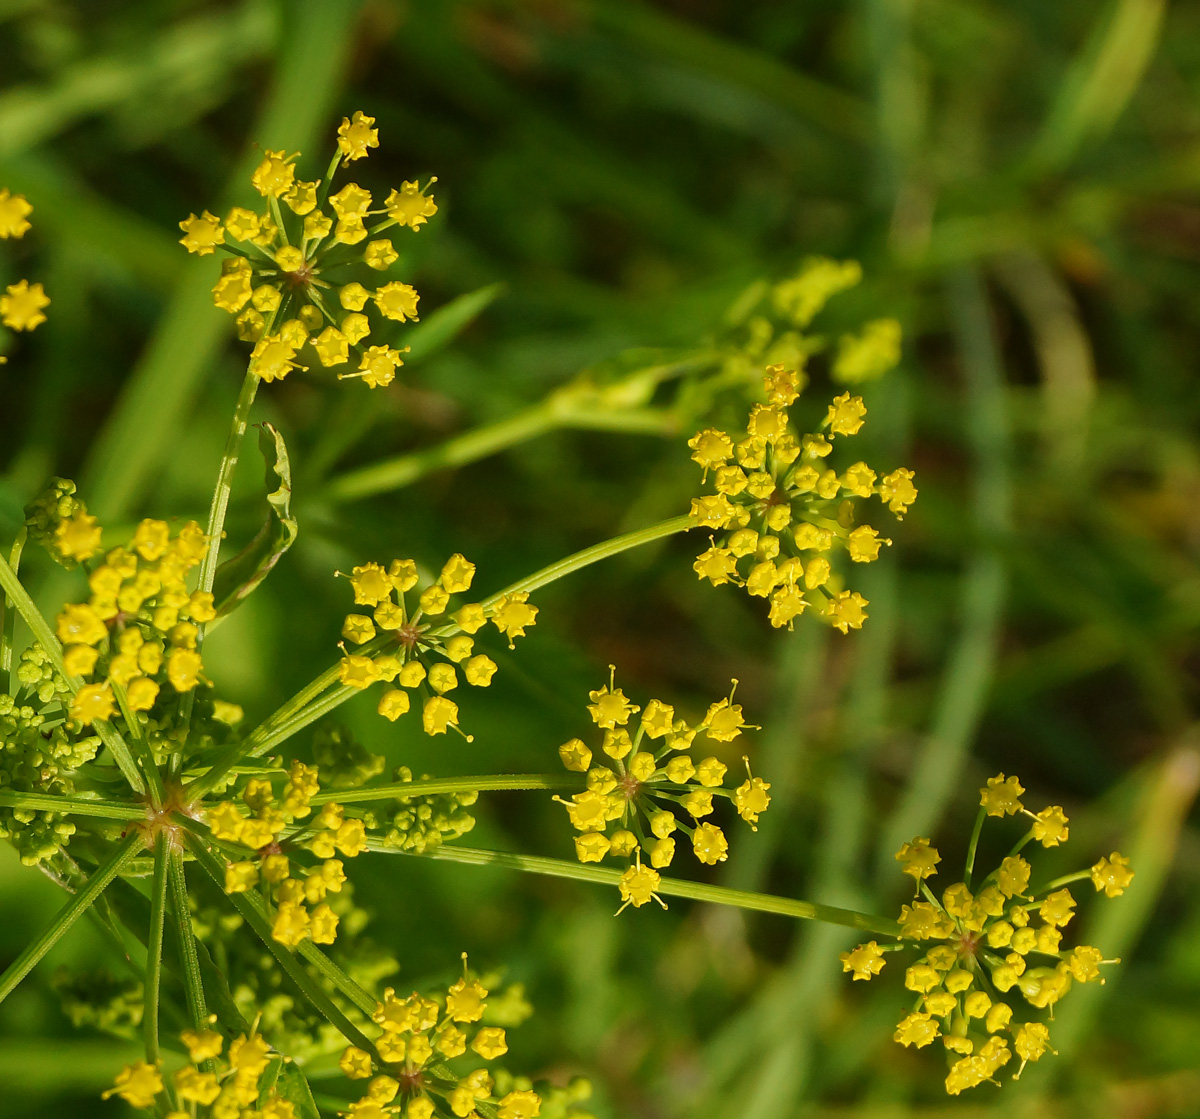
x=126, y=777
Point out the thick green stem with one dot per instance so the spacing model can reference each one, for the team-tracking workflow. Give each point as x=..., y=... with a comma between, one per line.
x=44, y=636
x=295, y=712
x=154, y=947
x=427, y=787
x=71, y=806
x=250, y=905
x=68, y=915
x=192, y=984
x=671, y=887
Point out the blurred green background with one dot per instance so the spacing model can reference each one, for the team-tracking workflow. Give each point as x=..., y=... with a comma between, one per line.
x=1021, y=182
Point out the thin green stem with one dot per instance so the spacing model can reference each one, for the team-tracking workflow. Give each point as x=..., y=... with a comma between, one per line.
x=490, y=439
x=427, y=787
x=252, y=908
x=294, y=712
x=218, y=509
x=44, y=636
x=68, y=915
x=1058, y=883
x=8, y=617
x=594, y=554
x=192, y=984
x=154, y=947
x=671, y=887
x=71, y=806
x=149, y=767
x=975, y=832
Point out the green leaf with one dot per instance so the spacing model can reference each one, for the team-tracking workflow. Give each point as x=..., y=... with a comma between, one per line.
x=292, y=1086
x=237, y=577
x=439, y=329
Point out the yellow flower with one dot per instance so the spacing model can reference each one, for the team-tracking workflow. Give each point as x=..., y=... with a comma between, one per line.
x=1112, y=875
x=709, y=844
x=918, y=1028
x=490, y=1043
x=846, y=610
x=845, y=414
x=1050, y=826
x=274, y=175
x=1002, y=797
x=918, y=858
x=439, y=714
x=512, y=614
x=92, y=703
x=410, y=206
x=865, y=961
x=21, y=305
x=637, y=885
x=897, y=490
x=202, y=234
x=397, y=301
x=137, y=1084
x=14, y=210
x=78, y=537
x=355, y=135
x=520, y=1104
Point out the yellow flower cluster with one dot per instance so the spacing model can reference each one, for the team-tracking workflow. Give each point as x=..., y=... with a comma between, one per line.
x=139, y=628
x=289, y=281
x=227, y=1087
x=418, y=1035
x=22, y=304
x=258, y=820
x=651, y=776
x=399, y=646
x=1005, y=937
x=782, y=510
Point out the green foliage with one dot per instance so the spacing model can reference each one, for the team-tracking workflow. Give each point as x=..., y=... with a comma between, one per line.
x=1014, y=178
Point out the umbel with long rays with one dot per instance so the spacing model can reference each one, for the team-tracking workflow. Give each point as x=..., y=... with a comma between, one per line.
x=127, y=779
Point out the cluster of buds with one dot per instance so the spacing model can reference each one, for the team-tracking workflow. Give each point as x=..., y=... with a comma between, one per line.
x=140, y=628
x=1005, y=937
x=408, y=1070
x=781, y=511
x=422, y=822
x=264, y=821
x=38, y=755
x=22, y=304
x=399, y=646
x=216, y=1083
x=631, y=807
x=289, y=280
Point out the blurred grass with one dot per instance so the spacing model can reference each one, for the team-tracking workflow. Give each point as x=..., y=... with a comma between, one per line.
x=1020, y=181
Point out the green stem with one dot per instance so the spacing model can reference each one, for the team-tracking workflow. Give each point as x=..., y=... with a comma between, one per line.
x=393, y=474
x=145, y=754
x=154, y=947
x=1058, y=883
x=217, y=511
x=429, y=786
x=672, y=887
x=192, y=984
x=250, y=905
x=975, y=832
x=44, y=636
x=68, y=915
x=8, y=617
x=71, y=806
x=293, y=712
